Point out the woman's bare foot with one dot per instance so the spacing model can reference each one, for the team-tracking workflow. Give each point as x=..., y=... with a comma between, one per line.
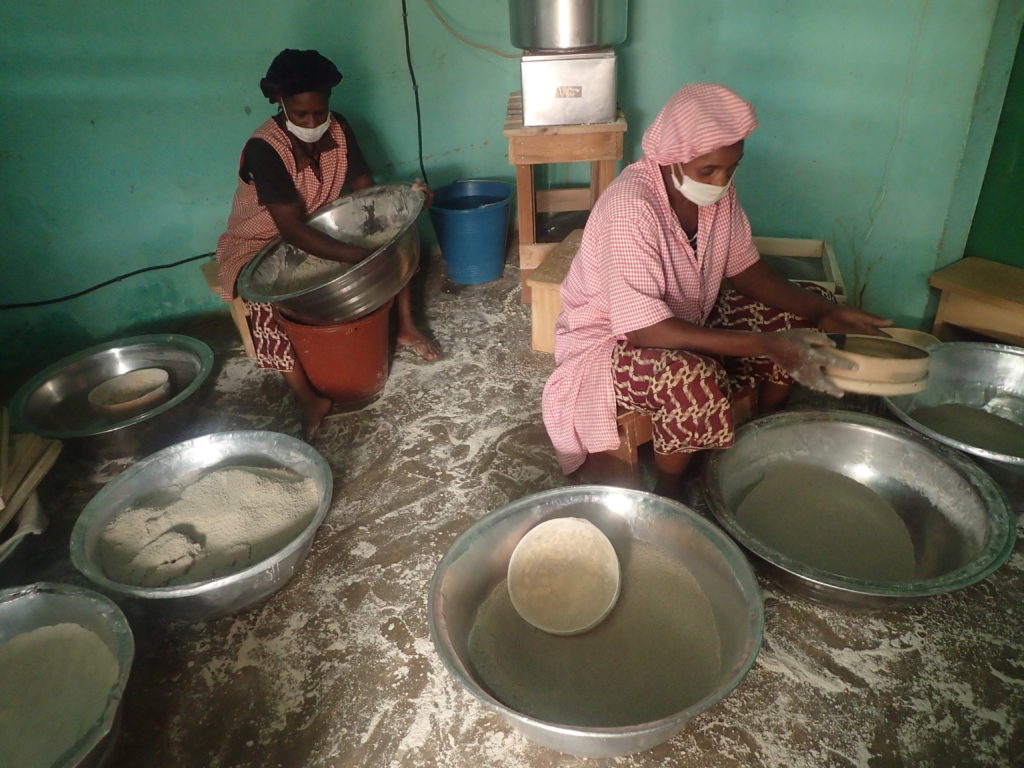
x=420, y=344
x=313, y=413
x=408, y=334
x=314, y=405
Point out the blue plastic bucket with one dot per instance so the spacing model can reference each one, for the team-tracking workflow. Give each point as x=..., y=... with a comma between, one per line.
x=471, y=222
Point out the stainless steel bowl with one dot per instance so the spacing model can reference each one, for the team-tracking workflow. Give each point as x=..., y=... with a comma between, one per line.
x=55, y=402
x=26, y=608
x=478, y=560
x=565, y=25
x=214, y=597
x=986, y=376
x=386, y=211
x=958, y=519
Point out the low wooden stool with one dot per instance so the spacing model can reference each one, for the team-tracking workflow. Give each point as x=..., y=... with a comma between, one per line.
x=236, y=306
x=982, y=296
x=634, y=431
x=600, y=144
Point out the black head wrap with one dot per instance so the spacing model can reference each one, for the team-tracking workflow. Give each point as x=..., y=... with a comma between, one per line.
x=294, y=71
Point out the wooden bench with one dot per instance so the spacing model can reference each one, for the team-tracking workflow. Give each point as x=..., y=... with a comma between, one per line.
x=981, y=296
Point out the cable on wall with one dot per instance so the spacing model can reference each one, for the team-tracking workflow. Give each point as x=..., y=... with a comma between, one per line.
x=43, y=302
x=415, y=92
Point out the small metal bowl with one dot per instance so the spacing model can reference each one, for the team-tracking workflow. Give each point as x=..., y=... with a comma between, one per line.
x=385, y=211
x=478, y=561
x=958, y=519
x=215, y=597
x=980, y=375
x=55, y=402
x=23, y=609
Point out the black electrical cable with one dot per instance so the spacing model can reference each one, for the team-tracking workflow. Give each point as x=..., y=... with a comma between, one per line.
x=415, y=91
x=104, y=283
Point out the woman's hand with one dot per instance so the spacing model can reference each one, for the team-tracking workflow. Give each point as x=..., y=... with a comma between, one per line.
x=849, y=320
x=420, y=186
x=803, y=354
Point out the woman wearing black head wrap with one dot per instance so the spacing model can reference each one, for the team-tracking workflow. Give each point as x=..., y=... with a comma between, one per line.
x=297, y=161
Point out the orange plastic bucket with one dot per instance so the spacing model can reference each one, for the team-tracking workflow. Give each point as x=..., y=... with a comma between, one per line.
x=346, y=362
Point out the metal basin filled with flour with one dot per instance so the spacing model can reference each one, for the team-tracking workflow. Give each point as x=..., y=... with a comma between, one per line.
x=860, y=511
x=319, y=292
x=67, y=638
x=206, y=527
x=684, y=631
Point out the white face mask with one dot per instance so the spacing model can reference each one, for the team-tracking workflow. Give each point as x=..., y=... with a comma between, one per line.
x=697, y=192
x=308, y=135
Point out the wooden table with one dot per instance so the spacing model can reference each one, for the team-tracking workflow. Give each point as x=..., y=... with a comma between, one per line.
x=982, y=296
x=600, y=144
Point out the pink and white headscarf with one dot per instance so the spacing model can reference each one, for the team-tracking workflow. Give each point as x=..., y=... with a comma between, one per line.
x=699, y=118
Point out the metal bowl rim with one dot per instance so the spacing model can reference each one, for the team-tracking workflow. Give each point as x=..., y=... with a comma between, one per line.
x=246, y=290
x=25, y=391
x=974, y=450
x=85, y=520
x=737, y=561
x=124, y=654
x=999, y=517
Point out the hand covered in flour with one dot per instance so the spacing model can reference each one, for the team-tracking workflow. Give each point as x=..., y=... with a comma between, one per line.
x=803, y=354
x=420, y=186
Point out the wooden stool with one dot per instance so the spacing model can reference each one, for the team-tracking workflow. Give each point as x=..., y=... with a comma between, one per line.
x=236, y=306
x=634, y=431
x=600, y=144
x=982, y=296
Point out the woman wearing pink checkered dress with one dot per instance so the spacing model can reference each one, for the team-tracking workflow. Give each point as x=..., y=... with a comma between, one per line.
x=667, y=308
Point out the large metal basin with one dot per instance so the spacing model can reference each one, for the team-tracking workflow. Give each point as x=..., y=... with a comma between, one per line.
x=566, y=25
x=380, y=217
x=478, y=561
x=214, y=597
x=23, y=609
x=55, y=402
x=958, y=519
x=980, y=375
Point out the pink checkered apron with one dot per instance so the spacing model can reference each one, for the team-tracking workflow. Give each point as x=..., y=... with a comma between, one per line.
x=251, y=227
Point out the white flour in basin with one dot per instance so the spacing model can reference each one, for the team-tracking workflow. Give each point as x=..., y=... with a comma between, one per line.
x=218, y=524
x=54, y=685
x=313, y=271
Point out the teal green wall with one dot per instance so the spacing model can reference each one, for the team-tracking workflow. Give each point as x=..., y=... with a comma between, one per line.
x=997, y=231
x=123, y=122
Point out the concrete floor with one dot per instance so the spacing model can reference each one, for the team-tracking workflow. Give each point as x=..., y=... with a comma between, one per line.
x=337, y=669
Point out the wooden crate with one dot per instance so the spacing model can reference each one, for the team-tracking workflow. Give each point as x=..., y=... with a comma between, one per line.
x=545, y=282
x=804, y=260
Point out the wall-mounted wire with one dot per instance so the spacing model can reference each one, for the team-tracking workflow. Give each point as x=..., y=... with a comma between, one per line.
x=415, y=92
x=43, y=302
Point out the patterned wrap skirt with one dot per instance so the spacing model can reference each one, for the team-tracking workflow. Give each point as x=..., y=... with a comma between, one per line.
x=688, y=396
x=273, y=347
